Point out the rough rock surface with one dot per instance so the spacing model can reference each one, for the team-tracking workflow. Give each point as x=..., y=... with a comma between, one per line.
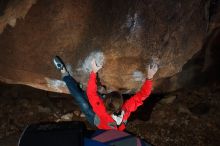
x=122, y=34
x=11, y=10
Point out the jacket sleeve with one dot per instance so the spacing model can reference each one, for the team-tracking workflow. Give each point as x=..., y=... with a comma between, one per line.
x=131, y=104
x=121, y=127
x=94, y=99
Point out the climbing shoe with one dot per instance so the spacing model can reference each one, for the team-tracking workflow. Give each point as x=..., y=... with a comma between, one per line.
x=58, y=63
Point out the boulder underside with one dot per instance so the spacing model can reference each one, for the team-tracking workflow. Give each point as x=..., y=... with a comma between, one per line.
x=123, y=35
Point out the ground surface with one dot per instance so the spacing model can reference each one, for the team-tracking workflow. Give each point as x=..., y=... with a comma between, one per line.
x=186, y=117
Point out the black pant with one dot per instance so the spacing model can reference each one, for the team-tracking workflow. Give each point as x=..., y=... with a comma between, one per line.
x=80, y=97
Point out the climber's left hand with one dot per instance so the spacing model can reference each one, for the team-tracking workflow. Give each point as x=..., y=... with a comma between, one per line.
x=95, y=68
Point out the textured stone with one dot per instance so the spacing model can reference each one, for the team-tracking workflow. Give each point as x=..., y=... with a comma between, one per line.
x=122, y=34
x=168, y=99
x=13, y=10
x=67, y=117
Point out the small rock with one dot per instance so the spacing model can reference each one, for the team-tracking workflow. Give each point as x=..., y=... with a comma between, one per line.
x=79, y=114
x=183, y=109
x=168, y=99
x=42, y=109
x=24, y=103
x=67, y=117
x=30, y=113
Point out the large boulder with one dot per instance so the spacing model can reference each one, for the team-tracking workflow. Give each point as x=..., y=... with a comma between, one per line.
x=123, y=35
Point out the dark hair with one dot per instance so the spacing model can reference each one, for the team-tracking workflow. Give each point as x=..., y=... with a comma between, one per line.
x=113, y=102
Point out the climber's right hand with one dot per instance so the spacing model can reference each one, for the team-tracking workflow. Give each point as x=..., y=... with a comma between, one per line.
x=151, y=70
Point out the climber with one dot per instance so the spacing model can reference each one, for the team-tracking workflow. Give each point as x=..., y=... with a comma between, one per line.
x=110, y=112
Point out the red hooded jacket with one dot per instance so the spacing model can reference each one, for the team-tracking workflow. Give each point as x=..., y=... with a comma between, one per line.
x=102, y=119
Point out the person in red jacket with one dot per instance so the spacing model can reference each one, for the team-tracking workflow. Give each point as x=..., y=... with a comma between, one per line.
x=110, y=112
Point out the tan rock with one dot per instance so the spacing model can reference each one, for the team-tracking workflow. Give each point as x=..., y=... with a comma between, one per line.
x=127, y=34
x=168, y=99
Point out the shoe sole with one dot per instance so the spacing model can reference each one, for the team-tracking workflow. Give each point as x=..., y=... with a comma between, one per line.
x=58, y=61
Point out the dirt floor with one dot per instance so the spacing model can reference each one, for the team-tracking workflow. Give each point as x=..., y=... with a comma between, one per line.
x=185, y=117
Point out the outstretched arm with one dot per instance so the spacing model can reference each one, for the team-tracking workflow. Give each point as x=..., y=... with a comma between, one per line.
x=94, y=99
x=137, y=100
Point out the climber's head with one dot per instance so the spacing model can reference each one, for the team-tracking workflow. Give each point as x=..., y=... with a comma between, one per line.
x=113, y=102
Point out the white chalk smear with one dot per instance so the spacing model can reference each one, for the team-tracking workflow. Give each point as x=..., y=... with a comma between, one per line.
x=132, y=22
x=138, y=76
x=86, y=64
x=55, y=84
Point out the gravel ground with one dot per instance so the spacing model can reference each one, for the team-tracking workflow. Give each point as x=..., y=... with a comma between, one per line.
x=185, y=117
